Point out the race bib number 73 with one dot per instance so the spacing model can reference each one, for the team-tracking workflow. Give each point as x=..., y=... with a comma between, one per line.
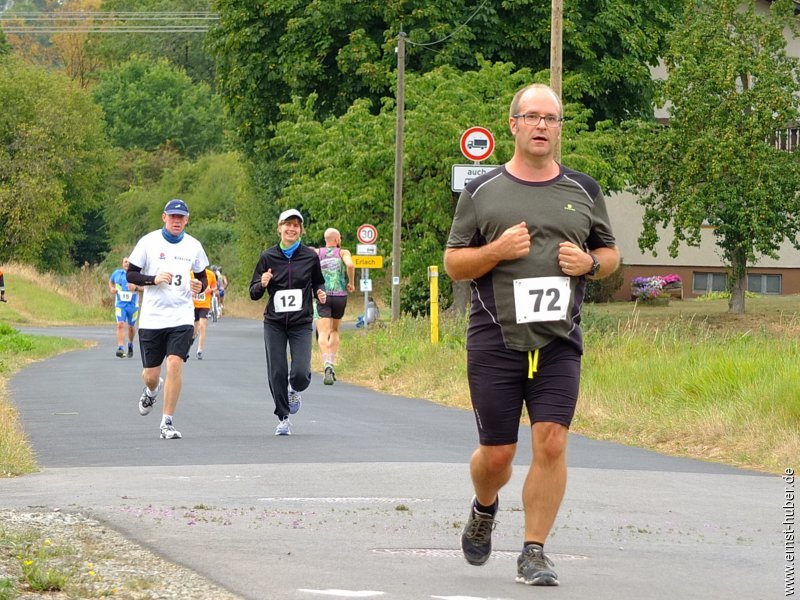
x=540, y=299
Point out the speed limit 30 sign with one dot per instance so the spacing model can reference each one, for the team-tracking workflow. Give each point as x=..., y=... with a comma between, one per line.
x=367, y=234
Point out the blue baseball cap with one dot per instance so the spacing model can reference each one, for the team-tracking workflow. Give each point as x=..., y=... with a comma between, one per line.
x=176, y=207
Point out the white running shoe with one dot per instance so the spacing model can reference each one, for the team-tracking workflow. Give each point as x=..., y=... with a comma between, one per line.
x=168, y=432
x=295, y=401
x=146, y=401
x=284, y=427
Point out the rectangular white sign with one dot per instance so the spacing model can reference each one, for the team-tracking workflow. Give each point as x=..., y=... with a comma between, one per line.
x=463, y=174
x=366, y=249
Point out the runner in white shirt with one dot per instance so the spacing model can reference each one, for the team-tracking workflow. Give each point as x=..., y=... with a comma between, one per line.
x=163, y=261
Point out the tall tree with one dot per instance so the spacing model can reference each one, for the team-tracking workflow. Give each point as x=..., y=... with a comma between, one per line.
x=72, y=49
x=731, y=86
x=54, y=158
x=342, y=50
x=149, y=104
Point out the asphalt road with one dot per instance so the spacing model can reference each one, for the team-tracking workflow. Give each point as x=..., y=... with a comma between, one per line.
x=367, y=497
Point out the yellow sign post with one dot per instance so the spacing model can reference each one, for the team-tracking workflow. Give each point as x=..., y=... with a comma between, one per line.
x=433, y=277
x=368, y=262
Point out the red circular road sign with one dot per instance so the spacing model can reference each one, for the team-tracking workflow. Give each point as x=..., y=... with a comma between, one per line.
x=367, y=234
x=477, y=143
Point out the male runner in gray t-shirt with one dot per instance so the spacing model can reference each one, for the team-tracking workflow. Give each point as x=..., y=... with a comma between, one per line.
x=526, y=235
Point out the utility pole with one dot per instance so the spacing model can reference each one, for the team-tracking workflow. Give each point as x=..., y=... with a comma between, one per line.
x=556, y=28
x=398, y=175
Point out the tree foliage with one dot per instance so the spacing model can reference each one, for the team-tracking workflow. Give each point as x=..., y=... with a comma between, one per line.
x=54, y=158
x=183, y=49
x=212, y=186
x=149, y=104
x=72, y=49
x=5, y=47
x=343, y=50
x=340, y=171
x=731, y=86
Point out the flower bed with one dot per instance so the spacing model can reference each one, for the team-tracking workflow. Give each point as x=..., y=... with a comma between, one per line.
x=657, y=287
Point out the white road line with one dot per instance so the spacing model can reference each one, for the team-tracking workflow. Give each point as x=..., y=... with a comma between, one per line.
x=344, y=593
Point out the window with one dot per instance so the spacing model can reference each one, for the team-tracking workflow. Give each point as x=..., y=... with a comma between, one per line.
x=764, y=284
x=703, y=283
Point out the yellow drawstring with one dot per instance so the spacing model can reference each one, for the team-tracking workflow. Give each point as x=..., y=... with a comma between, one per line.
x=533, y=362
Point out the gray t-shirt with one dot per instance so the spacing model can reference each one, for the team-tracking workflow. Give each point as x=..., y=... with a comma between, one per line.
x=526, y=303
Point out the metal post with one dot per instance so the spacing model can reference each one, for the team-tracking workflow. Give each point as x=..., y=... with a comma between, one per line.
x=364, y=275
x=433, y=277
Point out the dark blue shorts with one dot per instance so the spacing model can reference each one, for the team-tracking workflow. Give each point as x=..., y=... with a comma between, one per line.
x=500, y=384
x=156, y=344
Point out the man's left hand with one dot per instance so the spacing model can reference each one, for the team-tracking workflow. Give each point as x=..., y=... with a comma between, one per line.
x=573, y=261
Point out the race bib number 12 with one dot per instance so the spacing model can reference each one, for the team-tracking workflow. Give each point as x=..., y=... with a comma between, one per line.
x=288, y=301
x=540, y=299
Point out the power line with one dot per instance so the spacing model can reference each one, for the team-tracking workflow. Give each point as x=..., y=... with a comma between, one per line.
x=88, y=15
x=108, y=22
x=455, y=31
x=105, y=29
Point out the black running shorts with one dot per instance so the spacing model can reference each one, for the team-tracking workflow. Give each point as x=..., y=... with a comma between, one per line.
x=201, y=313
x=333, y=308
x=156, y=344
x=500, y=383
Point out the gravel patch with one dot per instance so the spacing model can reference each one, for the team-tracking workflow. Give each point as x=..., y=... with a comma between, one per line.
x=96, y=561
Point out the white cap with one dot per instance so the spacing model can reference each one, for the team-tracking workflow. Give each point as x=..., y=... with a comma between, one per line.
x=288, y=214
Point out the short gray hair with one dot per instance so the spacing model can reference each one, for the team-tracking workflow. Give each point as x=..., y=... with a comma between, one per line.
x=534, y=86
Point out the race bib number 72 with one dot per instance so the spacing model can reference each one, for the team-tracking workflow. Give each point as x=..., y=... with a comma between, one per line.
x=540, y=299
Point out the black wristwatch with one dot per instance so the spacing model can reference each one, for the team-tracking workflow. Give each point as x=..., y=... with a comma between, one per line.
x=595, y=265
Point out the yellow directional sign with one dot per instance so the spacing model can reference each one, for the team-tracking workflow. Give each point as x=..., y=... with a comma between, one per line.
x=368, y=262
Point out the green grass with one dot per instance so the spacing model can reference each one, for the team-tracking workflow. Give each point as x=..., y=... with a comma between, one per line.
x=45, y=299
x=692, y=389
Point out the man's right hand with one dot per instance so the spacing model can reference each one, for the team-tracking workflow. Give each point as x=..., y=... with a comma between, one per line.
x=515, y=242
x=163, y=277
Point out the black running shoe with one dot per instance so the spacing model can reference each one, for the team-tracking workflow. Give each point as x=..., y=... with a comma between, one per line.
x=120, y=352
x=330, y=376
x=130, y=351
x=533, y=567
x=476, y=539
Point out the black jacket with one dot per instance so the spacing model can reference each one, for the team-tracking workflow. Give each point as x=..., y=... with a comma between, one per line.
x=301, y=272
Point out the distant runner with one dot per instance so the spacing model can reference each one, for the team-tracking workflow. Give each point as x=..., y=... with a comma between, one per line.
x=339, y=272
x=126, y=307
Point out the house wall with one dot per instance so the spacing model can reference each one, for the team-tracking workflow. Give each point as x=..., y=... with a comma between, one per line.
x=626, y=221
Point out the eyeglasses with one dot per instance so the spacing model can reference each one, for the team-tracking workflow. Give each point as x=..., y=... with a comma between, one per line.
x=533, y=120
